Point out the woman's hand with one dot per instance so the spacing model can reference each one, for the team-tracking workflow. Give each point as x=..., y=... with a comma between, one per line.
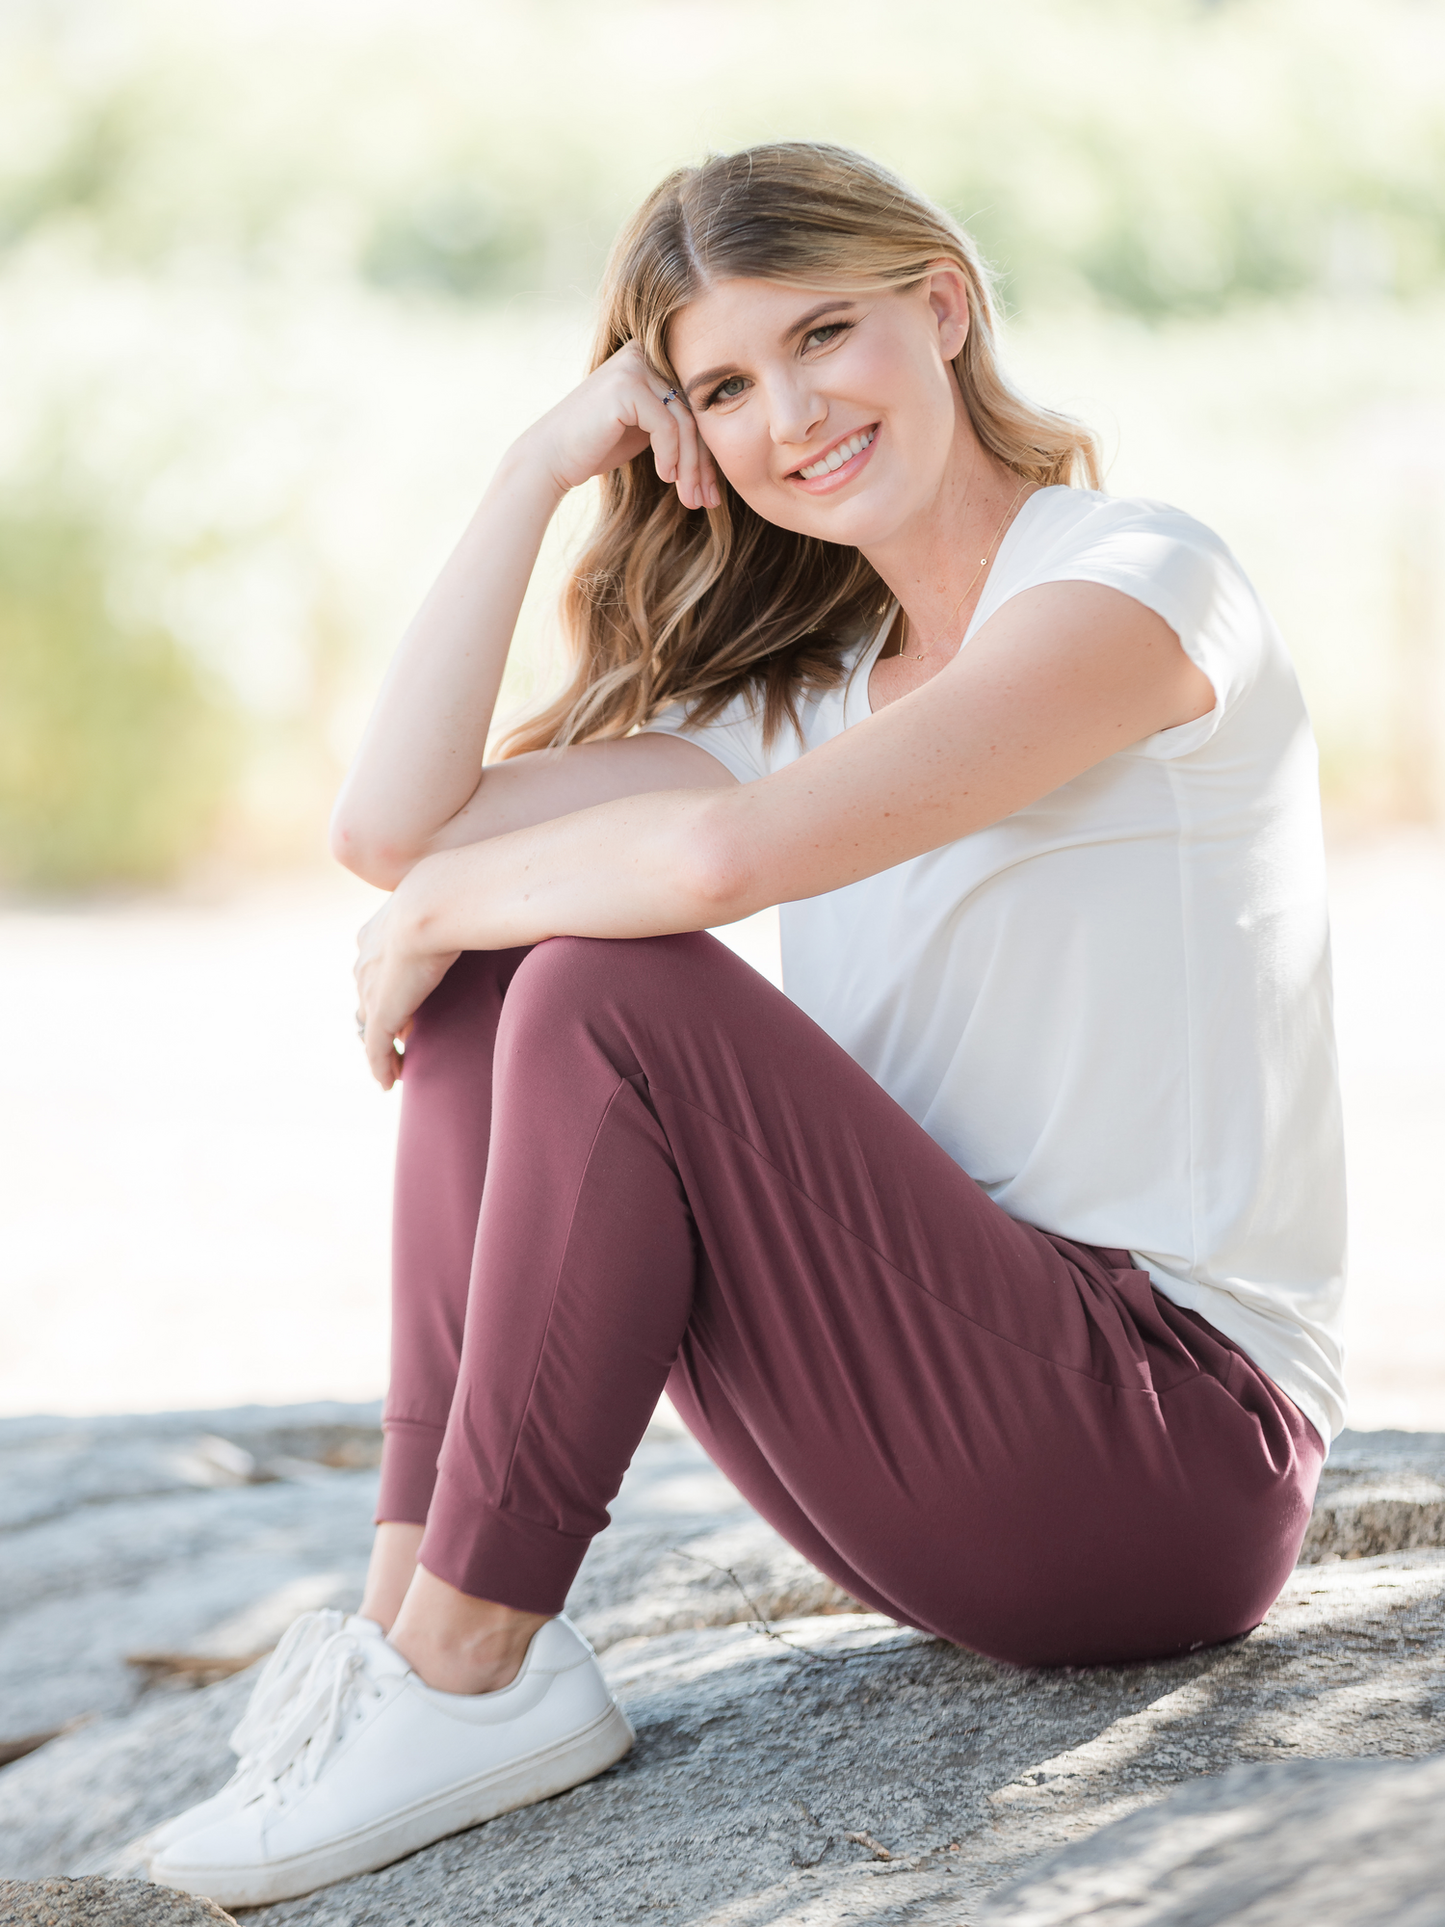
x=611, y=418
x=394, y=977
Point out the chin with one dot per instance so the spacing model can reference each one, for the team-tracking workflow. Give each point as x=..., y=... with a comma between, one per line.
x=858, y=523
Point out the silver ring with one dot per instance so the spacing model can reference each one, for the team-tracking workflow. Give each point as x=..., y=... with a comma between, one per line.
x=671, y=395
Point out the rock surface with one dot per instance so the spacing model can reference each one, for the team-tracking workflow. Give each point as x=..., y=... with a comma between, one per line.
x=96, y=1902
x=207, y=1533
x=1379, y=1492
x=1327, y=1843
x=834, y=1767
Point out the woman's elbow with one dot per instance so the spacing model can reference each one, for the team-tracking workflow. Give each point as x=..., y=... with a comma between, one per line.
x=718, y=870
x=365, y=854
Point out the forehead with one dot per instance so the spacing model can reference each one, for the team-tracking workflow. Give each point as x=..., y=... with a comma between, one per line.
x=733, y=316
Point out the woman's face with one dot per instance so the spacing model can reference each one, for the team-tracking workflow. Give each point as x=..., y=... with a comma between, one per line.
x=835, y=415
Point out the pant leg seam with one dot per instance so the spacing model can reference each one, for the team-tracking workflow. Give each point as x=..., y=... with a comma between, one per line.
x=1135, y=1391
x=552, y=1304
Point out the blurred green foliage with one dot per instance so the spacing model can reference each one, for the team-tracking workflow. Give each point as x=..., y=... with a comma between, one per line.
x=115, y=758
x=268, y=244
x=1158, y=155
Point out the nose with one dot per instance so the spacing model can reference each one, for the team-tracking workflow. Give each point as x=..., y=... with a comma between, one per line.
x=796, y=411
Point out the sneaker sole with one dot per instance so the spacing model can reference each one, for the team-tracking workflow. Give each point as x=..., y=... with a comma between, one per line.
x=553, y=1769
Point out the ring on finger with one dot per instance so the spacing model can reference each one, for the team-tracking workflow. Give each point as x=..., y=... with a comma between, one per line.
x=671, y=395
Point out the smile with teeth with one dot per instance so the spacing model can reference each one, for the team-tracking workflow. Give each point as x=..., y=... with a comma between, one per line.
x=835, y=457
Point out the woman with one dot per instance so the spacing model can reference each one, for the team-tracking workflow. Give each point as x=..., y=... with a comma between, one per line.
x=997, y=1263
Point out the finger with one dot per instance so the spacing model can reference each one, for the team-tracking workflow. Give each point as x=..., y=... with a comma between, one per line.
x=381, y=1055
x=681, y=469
x=660, y=410
x=686, y=479
x=696, y=476
x=665, y=432
x=697, y=482
x=668, y=423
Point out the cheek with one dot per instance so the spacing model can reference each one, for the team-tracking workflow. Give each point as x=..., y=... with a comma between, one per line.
x=745, y=459
x=890, y=381
x=741, y=449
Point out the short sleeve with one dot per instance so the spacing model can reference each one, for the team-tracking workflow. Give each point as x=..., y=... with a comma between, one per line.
x=1187, y=576
x=734, y=736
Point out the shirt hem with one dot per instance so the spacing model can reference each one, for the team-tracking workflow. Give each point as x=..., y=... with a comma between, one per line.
x=1323, y=1406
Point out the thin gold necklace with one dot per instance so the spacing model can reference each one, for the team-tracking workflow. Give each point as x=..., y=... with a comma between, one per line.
x=982, y=565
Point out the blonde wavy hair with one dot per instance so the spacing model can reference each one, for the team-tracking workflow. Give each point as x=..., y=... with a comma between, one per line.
x=694, y=606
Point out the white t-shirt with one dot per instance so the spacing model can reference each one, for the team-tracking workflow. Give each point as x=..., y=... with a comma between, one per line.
x=1112, y=1008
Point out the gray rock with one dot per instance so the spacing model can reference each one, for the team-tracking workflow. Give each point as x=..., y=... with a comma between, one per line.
x=841, y=1768
x=106, y=1559
x=95, y=1902
x=218, y=1571
x=113, y=1777
x=51, y=1467
x=1379, y=1492
x=193, y=1531
x=834, y=1766
x=685, y=1551
x=1328, y=1843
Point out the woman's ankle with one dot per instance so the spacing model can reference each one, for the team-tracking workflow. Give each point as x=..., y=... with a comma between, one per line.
x=390, y=1571
x=458, y=1644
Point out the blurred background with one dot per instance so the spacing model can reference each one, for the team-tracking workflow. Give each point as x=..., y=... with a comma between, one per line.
x=278, y=283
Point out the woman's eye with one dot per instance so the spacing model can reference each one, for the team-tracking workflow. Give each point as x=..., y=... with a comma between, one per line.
x=819, y=337
x=728, y=390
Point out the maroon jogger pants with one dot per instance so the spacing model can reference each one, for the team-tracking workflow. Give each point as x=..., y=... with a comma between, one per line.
x=630, y=1165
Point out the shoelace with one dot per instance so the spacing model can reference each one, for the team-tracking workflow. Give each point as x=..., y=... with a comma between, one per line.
x=295, y=1750
x=282, y=1676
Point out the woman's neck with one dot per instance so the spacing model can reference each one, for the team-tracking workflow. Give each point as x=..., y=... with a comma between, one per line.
x=938, y=565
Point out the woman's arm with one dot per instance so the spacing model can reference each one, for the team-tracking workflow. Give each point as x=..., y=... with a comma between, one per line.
x=1059, y=679
x=420, y=765
x=421, y=757
x=544, y=783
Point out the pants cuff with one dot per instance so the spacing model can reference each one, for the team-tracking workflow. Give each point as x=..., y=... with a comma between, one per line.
x=409, y=1450
x=496, y=1555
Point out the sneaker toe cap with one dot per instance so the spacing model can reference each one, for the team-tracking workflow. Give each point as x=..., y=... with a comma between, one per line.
x=193, y=1820
x=235, y=1839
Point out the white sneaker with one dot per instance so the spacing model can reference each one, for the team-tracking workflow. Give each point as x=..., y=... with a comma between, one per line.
x=371, y=1763
x=281, y=1679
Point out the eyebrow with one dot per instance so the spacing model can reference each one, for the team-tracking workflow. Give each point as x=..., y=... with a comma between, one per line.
x=800, y=326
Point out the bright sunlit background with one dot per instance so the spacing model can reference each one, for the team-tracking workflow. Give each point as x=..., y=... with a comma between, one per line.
x=278, y=282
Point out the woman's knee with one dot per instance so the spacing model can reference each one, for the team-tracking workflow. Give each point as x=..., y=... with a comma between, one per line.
x=614, y=991
x=459, y=1018
x=576, y=972
x=476, y=979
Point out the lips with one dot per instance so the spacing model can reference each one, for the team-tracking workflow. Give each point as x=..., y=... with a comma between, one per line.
x=835, y=457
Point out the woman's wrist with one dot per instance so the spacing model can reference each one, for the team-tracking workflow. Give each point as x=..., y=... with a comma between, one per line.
x=532, y=462
x=414, y=905
x=434, y=906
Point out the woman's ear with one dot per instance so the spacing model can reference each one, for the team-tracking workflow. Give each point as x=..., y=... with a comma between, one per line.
x=948, y=300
